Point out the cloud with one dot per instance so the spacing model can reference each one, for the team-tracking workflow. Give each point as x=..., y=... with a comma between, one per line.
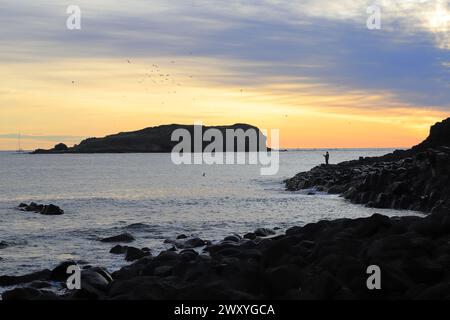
x=257, y=43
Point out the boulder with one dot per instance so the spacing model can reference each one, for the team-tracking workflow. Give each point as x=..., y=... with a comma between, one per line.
x=124, y=237
x=264, y=232
x=95, y=281
x=118, y=249
x=133, y=254
x=193, y=243
x=52, y=210
x=59, y=273
x=28, y=294
x=14, y=280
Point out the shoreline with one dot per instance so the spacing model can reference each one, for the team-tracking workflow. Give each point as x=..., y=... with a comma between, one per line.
x=329, y=259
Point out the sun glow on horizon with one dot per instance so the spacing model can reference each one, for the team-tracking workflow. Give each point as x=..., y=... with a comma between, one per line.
x=86, y=98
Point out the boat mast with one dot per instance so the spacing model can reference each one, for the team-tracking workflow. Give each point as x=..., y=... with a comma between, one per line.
x=20, y=146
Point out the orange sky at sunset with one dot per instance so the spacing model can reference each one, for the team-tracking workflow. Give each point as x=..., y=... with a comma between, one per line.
x=310, y=68
x=110, y=96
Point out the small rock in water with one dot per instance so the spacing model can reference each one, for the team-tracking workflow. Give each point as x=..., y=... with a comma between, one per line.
x=182, y=236
x=3, y=244
x=118, y=249
x=49, y=210
x=124, y=237
x=52, y=210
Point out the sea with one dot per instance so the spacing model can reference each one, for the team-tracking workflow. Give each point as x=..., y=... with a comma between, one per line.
x=150, y=197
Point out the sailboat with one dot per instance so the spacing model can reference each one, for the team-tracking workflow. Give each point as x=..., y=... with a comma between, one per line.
x=19, y=137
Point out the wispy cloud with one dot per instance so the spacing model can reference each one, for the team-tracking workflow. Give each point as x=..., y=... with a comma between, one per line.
x=323, y=41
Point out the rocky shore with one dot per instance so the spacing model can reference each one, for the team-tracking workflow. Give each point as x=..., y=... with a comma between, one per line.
x=415, y=179
x=323, y=260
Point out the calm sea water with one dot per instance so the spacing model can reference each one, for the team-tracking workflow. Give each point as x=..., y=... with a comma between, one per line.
x=151, y=198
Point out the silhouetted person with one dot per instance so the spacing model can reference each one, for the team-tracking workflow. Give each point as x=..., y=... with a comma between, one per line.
x=327, y=158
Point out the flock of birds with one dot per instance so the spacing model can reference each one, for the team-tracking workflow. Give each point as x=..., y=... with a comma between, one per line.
x=156, y=76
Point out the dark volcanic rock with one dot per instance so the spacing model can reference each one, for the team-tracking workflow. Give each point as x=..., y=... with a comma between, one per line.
x=135, y=254
x=13, y=280
x=124, y=237
x=193, y=243
x=323, y=260
x=59, y=273
x=415, y=179
x=50, y=210
x=118, y=249
x=28, y=294
x=95, y=282
x=264, y=232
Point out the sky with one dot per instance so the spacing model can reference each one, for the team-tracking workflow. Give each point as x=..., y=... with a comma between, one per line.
x=310, y=68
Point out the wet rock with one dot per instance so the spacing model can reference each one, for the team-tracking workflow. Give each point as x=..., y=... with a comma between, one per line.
x=50, y=209
x=14, y=280
x=39, y=284
x=133, y=254
x=95, y=281
x=263, y=232
x=181, y=236
x=3, y=244
x=232, y=238
x=118, y=249
x=28, y=294
x=59, y=273
x=124, y=237
x=250, y=236
x=168, y=255
x=193, y=243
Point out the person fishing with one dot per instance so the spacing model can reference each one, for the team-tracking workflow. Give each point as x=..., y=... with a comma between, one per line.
x=327, y=158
